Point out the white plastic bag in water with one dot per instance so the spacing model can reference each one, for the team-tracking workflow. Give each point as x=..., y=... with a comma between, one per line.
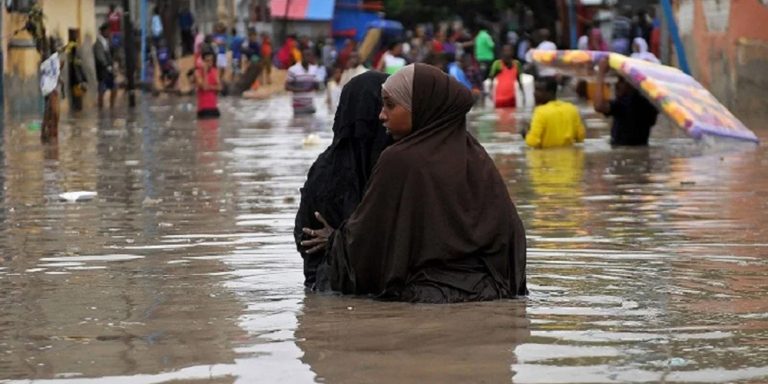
x=75, y=196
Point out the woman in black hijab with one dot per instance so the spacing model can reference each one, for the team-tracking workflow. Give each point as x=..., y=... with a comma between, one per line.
x=436, y=223
x=336, y=181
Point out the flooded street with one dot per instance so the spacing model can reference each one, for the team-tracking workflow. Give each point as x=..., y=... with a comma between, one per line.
x=644, y=264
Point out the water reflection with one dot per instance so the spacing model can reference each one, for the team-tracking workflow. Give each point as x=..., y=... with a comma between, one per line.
x=555, y=177
x=353, y=341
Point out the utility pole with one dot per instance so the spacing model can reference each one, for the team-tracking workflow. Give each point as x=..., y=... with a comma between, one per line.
x=669, y=14
x=130, y=54
x=285, y=21
x=572, y=24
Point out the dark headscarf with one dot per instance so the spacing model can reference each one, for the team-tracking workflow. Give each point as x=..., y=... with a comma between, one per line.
x=336, y=181
x=436, y=223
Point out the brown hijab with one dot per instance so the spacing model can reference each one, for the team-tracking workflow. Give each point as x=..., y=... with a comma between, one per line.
x=436, y=223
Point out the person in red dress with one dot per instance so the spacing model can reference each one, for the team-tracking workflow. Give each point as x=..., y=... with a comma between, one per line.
x=208, y=86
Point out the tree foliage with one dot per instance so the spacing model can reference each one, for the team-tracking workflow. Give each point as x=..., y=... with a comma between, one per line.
x=474, y=13
x=412, y=12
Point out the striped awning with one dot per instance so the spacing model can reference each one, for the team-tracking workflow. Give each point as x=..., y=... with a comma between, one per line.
x=312, y=10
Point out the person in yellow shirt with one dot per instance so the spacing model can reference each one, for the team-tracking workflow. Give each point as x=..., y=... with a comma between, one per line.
x=555, y=123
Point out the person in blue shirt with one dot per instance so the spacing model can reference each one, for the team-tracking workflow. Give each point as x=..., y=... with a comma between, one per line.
x=169, y=73
x=464, y=72
x=236, y=46
x=252, y=47
x=220, y=39
x=456, y=70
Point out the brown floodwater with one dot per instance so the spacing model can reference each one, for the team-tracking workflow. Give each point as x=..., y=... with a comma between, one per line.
x=645, y=264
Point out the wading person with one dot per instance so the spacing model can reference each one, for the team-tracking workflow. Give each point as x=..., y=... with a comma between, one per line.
x=50, y=74
x=336, y=181
x=555, y=123
x=104, y=67
x=640, y=51
x=354, y=68
x=303, y=80
x=266, y=58
x=392, y=59
x=484, y=51
x=633, y=115
x=436, y=223
x=505, y=74
x=208, y=86
x=78, y=83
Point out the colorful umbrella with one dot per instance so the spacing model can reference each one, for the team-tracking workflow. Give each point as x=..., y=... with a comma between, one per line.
x=679, y=96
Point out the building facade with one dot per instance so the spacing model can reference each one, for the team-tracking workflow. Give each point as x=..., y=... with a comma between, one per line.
x=726, y=43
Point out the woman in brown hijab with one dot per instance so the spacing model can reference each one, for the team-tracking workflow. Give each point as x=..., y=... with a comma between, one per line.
x=436, y=223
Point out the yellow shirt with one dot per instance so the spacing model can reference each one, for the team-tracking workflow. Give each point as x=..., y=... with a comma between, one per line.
x=555, y=124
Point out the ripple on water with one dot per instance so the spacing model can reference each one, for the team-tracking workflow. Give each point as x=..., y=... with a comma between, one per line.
x=93, y=258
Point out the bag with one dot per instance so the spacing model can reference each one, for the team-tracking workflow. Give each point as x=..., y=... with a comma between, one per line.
x=79, y=90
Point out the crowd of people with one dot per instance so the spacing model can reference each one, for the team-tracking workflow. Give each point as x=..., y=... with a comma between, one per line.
x=375, y=217
x=489, y=69
x=489, y=63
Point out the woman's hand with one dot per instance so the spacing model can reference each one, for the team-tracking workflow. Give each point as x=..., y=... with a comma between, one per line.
x=318, y=237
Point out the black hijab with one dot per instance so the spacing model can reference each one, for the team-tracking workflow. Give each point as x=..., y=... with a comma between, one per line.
x=336, y=181
x=436, y=223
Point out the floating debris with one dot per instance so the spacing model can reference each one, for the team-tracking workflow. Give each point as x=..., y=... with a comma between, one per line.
x=312, y=140
x=76, y=196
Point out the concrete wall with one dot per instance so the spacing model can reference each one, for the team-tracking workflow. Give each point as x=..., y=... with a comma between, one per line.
x=209, y=12
x=20, y=65
x=62, y=15
x=726, y=42
x=20, y=80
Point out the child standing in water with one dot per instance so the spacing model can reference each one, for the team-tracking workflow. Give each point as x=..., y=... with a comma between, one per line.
x=333, y=90
x=505, y=75
x=208, y=86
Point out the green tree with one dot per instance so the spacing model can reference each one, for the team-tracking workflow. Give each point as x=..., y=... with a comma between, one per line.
x=412, y=12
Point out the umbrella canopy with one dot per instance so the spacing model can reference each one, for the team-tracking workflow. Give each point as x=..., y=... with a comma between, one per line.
x=679, y=96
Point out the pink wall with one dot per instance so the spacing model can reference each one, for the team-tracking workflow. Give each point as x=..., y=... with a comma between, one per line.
x=728, y=61
x=749, y=19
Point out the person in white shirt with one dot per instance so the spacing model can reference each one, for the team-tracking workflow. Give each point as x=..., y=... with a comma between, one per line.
x=333, y=90
x=303, y=80
x=105, y=75
x=50, y=72
x=583, y=43
x=157, y=26
x=354, y=68
x=544, y=45
x=392, y=60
